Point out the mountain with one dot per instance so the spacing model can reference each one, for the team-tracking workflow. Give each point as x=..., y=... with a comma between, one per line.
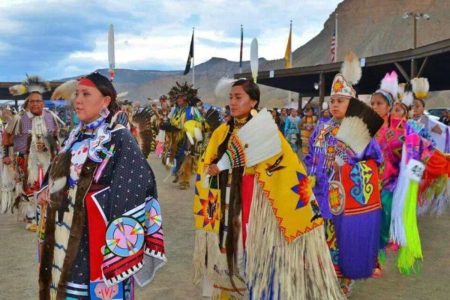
x=367, y=27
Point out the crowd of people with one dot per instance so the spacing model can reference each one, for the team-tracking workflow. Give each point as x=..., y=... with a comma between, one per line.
x=288, y=204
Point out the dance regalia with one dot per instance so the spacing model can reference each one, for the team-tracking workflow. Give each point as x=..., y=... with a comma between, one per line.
x=179, y=144
x=292, y=131
x=35, y=144
x=281, y=250
x=101, y=235
x=307, y=126
x=332, y=186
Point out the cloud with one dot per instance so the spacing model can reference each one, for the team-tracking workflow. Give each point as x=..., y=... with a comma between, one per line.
x=60, y=39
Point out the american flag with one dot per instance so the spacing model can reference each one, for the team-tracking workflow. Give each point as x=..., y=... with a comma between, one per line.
x=333, y=47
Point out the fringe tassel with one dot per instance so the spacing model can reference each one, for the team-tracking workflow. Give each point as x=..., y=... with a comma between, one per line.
x=411, y=252
x=276, y=269
x=199, y=258
x=206, y=255
x=397, y=230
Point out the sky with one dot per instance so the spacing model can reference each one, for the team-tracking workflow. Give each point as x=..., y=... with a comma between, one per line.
x=59, y=39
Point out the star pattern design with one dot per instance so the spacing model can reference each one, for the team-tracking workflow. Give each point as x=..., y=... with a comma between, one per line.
x=302, y=190
x=209, y=210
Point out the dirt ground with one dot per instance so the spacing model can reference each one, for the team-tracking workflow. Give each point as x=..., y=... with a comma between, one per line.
x=174, y=281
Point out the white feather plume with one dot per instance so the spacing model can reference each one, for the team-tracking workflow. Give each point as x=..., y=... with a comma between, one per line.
x=18, y=89
x=351, y=68
x=420, y=87
x=408, y=99
x=223, y=88
x=390, y=84
x=254, y=62
x=65, y=91
x=122, y=96
x=401, y=91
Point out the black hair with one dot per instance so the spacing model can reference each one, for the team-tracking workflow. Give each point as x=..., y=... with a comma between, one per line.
x=250, y=88
x=106, y=88
x=421, y=101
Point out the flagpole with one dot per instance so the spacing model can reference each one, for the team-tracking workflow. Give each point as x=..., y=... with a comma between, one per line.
x=290, y=59
x=193, y=58
x=336, y=38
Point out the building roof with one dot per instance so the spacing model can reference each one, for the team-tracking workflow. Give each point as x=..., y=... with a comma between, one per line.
x=435, y=59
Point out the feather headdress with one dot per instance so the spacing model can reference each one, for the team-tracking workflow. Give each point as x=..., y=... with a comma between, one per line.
x=405, y=95
x=183, y=90
x=32, y=84
x=350, y=75
x=389, y=87
x=420, y=87
x=65, y=91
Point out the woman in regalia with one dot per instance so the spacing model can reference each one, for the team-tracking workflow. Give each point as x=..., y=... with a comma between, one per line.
x=344, y=159
x=307, y=126
x=259, y=232
x=406, y=146
x=292, y=129
x=101, y=236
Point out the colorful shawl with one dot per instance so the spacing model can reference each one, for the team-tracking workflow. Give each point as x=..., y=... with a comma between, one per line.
x=284, y=232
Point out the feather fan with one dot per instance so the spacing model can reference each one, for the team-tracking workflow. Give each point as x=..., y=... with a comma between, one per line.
x=359, y=126
x=255, y=142
x=212, y=118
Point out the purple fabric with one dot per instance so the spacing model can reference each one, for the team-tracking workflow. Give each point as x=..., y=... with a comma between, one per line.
x=20, y=140
x=358, y=238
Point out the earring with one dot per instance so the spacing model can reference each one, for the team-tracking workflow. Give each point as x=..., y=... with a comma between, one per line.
x=253, y=112
x=104, y=112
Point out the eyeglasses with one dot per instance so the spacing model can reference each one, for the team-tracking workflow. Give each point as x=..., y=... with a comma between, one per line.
x=36, y=101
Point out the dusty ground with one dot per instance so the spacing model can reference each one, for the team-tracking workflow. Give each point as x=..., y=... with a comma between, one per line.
x=173, y=281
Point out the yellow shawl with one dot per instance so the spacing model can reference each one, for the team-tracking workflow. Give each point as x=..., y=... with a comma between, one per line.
x=283, y=180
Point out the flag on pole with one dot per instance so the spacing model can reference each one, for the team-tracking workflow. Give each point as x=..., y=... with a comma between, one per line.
x=242, y=46
x=111, y=55
x=333, y=48
x=190, y=56
x=288, y=52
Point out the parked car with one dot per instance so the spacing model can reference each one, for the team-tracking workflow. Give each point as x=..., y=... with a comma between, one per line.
x=435, y=113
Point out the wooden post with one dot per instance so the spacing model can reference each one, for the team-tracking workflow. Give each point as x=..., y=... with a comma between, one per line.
x=413, y=68
x=299, y=101
x=321, y=90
